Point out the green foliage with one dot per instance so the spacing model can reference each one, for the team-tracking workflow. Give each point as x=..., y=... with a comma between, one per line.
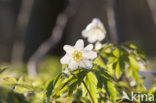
x=113, y=71
x=18, y=90
x=122, y=60
x=17, y=87
x=90, y=81
x=49, y=88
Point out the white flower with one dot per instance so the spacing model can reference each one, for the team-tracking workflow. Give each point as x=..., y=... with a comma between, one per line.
x=98, y=45
x=142, y=67
x=133, y=83
x=149, y=78
x=94, y=31
x=78, y=56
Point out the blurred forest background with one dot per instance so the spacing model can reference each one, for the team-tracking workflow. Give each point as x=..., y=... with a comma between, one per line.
x=26, y=24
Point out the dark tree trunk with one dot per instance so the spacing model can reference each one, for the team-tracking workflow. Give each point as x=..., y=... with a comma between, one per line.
x=136, y=23
x=8, y=15
x=42, y=20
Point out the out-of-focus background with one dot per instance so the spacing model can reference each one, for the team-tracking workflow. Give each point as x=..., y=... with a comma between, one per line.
x=33, y=32
x=26, y=24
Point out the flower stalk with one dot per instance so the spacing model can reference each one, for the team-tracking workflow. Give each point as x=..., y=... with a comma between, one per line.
x=88, y=91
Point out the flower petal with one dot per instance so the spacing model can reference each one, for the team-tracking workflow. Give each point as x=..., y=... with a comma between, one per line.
x=73, y=65
x=69, y=49
x=82, y=64
x=79, y=45
x=90, y=26
x=92, y=38
x=96, y=20
x=66, y=59
x=85, y=33
x=89, y=55
x=101, y=36
x=98, y=45
x=86, y=64
x=94, y=31
x=89, y=47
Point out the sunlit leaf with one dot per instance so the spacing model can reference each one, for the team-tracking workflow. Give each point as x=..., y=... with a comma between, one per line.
x=50, y=85
x=118, y=71
x=135, y=68
x=91, y=88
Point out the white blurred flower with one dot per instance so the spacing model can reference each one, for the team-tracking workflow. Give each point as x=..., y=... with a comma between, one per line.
x=94, y=31
x=142, y=67
x=133, y=83
x=78, y=56
x=98, y=45
x=149, y=78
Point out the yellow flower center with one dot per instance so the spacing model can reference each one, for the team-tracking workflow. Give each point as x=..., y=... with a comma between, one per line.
x=77, y=56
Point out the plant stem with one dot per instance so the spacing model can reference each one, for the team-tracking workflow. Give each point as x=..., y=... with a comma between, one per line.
x=127, y=81
x=88, y=91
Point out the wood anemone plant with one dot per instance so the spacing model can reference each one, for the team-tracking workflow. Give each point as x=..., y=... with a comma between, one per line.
x=113, y=71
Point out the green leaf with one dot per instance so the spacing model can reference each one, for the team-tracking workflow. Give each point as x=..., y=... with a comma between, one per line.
x=102, y=71
x=63, y=86
x=80, y=76
x=50, y=85
x=78, y=94
x=64, y=100
x=118, y=71
x=24, y=84
x=92, y=78
x=78, y=80
x=16, y=98
x=10, y=80
x=85, y=100
x=135, y=51
x=132, y=46
x=135, y=68
x=99, y=61
x=110, y=88
x=116, y=52
x=91, y=88
x=103, y=82
x=72, y=87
